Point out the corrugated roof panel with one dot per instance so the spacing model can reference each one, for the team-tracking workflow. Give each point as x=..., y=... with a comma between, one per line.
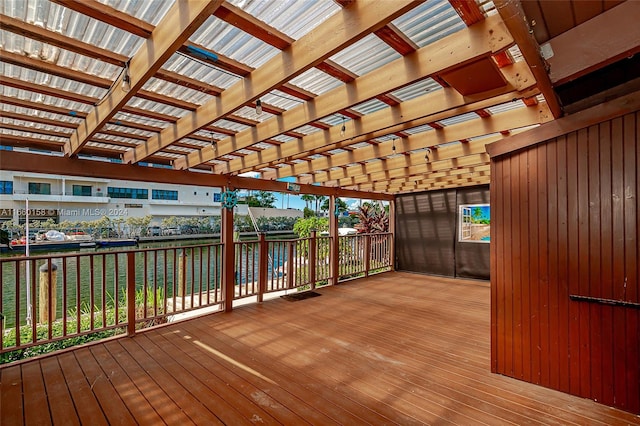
x=151, y=11
x=416, y=89
x=507, y=106
x=459, y=119
x=365, y=55
x=370, y=106
x=307, y=130
x=251, y=114
x=128, y=130
x=200, y=71
x=295, y=18
x=177, y=91
x=125, y=116
x=316, y=81
x=283, y=138
x=430, y=21
x=156, y=107
x=281, y=100
x=225, y=124
x=230, y=41
x=419, y=129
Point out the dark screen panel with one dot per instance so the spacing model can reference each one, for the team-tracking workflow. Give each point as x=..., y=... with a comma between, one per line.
x=425, y=232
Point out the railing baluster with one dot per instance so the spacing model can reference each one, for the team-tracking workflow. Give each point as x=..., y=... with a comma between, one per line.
x=17, y=289
x=131, y=293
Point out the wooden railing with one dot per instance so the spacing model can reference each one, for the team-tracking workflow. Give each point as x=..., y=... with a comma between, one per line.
x=59, y=297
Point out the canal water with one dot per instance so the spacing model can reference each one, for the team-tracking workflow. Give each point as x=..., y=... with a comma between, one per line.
x=106, y=273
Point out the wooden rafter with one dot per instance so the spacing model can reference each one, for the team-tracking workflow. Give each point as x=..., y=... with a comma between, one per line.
x=473, y=128
x=416, y=112
x=336, y=32
x=515, y=20
x=240, y=19
x=465, y=46
x=180, y=22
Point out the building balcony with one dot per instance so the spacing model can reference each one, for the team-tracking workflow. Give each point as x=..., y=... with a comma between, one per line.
x=95, y=198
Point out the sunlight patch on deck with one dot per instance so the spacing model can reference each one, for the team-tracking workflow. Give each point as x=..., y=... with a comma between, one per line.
x=230, y=360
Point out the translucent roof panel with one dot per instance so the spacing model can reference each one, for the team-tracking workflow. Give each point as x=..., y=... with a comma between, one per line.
x=316, y=81
x=294, y=18
x=459, y=119
x=234, y=43
x=365, y=55
x=370, y=106
x=430, y=21
x=416, y=89
x=202, y=71
x=508, y=106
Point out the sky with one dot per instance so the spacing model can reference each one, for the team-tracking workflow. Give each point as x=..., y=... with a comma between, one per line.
x=293, y=201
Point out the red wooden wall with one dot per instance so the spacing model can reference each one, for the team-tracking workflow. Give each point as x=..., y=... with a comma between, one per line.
x=565, y=223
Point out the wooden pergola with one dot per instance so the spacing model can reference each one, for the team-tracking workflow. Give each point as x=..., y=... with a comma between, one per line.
x=363, y=99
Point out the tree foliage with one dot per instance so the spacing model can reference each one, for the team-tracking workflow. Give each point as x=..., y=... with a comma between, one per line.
x=262, y=199
x=303, y=227
x=373, y=218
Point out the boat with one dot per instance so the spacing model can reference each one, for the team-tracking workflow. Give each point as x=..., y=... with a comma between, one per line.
x=52, y=241
x=21, y=246
x=117, y=242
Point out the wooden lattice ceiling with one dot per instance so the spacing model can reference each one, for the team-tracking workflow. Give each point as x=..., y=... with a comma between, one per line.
x=382, y=96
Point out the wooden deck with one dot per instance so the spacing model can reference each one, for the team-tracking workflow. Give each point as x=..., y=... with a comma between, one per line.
x=396, y=348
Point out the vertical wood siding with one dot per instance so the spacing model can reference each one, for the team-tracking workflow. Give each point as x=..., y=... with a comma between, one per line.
x=565, y=223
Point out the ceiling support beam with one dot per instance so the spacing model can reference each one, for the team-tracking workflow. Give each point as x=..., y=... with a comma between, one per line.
x=469, y=129
x=29, y=162
x=179, y=23
x=399, y=166
x=480, y=40
x=427, y=108
x=516, y=21
x=337, y=32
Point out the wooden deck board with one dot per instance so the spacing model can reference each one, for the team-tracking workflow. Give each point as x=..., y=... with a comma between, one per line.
x=36, y=407
x=85, y=402
x=61, y=403
x=395, y=348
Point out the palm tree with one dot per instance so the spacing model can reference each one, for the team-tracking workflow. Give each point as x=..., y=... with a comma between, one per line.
x=307, y=199
x=319, y=199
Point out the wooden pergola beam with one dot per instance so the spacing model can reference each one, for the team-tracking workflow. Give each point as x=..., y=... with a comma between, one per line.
x=53, y=38
x=399, y=166
x=249, y=24
x=473, y=128
x=179, y=23
x=104, y=13
x=427, y=108
x=25, y=162
x=467, y=45
x=515, y=20
x=337, y=32
x=393, y=185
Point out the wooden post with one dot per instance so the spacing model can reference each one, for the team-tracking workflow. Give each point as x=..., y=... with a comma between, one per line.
x=367, y=254
x=228, y=259
x=312, y=259
x=392, y=230
x=334, y=260
x=290, y=263
x=262, y=266
x=48, y=283
x=131, y=293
